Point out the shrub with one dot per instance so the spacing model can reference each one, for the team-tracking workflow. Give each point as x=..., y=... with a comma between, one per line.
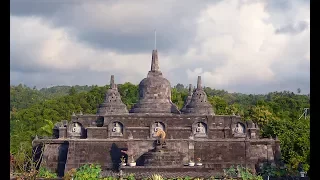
x=45, y=173
x=88, y=172
x=131, y=177
x=156, y=177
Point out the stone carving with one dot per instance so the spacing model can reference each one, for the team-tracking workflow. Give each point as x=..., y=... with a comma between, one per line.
x=199, y=103
x=75, y=130
x=155, y=92
x=200, y=129
x=112, y=103
x=239, y=129
x=116, y=129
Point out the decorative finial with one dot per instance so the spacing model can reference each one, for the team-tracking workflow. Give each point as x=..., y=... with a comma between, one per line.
x=112, y=84
x=73, y=114
x=155, y=39
x=36, y=137
x=80, y=113
x=199, y=83
x=190, y=89
x=154, y=62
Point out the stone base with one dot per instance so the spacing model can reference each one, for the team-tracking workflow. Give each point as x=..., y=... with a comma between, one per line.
x=165, y=172
x=162, y=157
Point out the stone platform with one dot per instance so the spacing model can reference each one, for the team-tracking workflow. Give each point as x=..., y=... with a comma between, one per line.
x=172, y=172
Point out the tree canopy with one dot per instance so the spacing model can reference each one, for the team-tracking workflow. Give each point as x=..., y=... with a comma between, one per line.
x=34, y=112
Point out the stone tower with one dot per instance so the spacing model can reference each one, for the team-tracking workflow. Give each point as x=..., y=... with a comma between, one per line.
x=199, y=103
x=188, y=99
x=112, y=103
x=155, y=92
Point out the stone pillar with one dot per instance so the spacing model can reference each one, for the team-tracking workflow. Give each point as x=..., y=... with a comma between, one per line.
x=191, y=150
x=199, y=83
x=253, y=133
x=62, y=132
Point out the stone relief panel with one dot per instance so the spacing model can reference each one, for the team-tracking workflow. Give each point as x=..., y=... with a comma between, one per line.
x=75, y=130
x=155, y=127
x=239, y=130
x=116, y=129
x=199, y=129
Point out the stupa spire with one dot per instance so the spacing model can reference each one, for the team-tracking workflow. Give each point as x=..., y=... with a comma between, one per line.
x=112, y=84
x=155, y=61
x=190, y=89
x=199, y=83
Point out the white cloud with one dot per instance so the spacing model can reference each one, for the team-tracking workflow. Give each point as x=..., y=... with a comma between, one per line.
x=235, y=46
x=251, y=46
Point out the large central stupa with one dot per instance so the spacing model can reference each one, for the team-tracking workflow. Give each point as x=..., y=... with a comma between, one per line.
x=155, y=92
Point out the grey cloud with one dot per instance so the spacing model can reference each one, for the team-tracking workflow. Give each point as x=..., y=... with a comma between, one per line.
x=293, y=28
x=278, y=5
x=138, y=43
x=175, y=25
x=175, y=32
x=83, y=77
x=37, y=7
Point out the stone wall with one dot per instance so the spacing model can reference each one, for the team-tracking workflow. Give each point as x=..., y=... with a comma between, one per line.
x=176, y=126
x=216, y=154
x=218, y=146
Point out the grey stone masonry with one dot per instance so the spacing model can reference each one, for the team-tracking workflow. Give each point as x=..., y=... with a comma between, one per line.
x=112, y=103
x=155, y=92
x=199, y=102
x=188, y=99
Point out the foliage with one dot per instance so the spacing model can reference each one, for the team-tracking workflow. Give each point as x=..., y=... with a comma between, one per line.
x=45, y=173
x=274, y=170
x=23, y=163
x=69, y=174
x=34, y=112
x=230, y=172
x=187, y=178
x=131, y=177
x=156, y=177
x=110, y=178
x=88, y=172
x=245, y=173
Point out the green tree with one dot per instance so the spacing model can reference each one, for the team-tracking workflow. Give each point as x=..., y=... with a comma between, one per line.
x=72, y=91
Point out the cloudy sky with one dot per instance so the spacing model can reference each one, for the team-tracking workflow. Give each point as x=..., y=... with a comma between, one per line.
x=247, y=46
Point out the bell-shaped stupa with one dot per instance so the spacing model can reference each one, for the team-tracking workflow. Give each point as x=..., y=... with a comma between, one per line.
x=112, y=103
x=188, y=99
x=155, y=92
x=199, y=102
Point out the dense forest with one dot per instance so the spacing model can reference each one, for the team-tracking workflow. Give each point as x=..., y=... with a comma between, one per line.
x=34, y=112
